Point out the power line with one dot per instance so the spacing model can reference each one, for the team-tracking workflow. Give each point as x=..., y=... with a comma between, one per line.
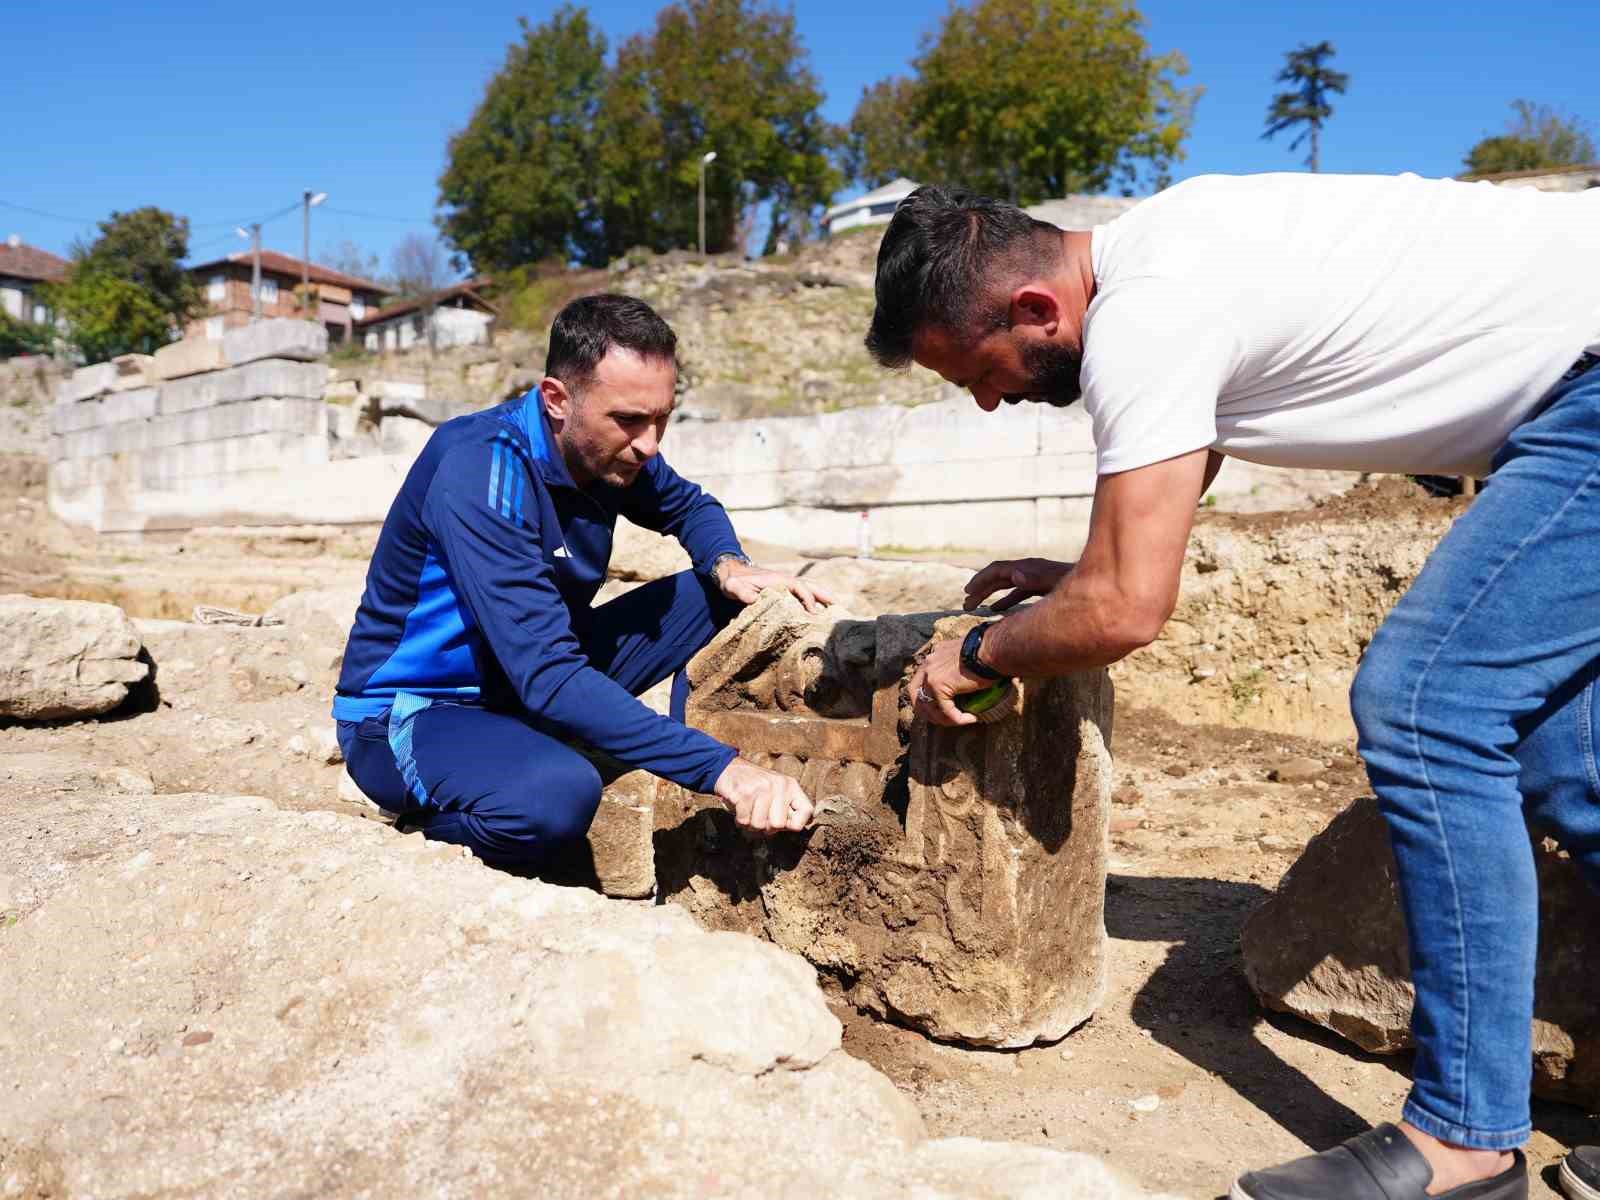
x=39, y=212
x=366, y=216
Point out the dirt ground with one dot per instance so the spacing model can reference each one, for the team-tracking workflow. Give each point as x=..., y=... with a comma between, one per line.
x=1180, y=1081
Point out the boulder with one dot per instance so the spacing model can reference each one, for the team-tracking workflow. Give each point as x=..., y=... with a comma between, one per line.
x=403, y=435
x=277, y=337
x=65, y=658
x=326, y=614
x=919, y=890
x=253, y=1002
x=191, y=356
x=1330, y=946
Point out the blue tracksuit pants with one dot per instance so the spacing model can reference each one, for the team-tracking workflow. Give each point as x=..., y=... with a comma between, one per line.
x=494, y=781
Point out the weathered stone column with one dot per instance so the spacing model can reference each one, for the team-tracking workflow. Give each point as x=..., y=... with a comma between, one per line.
x=956, y=879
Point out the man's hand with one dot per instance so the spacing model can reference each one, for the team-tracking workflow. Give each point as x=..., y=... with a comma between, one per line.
x=1025, y=576
x=939, y=680
x=744, y=582
x=761, y=801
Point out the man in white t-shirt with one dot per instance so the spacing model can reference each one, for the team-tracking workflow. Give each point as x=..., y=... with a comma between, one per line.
x=1354, y=323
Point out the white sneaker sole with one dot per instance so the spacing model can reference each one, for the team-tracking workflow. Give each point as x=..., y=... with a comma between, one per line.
x=1238, y=1193
x=1575, y=1188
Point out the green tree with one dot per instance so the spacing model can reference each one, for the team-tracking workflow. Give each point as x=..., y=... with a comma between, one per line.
x=1306, y=104
x=128, y=290
x=24, y=337
x=519, y=184
x=107, y=315
x=882, y=142
x=728, y=76
x=146, y=247
x=1097, y=106
x=1536, y=137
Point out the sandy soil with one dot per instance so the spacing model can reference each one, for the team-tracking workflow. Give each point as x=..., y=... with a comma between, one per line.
x=1181, y=1080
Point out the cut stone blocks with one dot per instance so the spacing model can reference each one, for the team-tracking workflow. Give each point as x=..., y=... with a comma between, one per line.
x=396, y=389
x=269, y=377
x=1330, y=946
x=269, y=414
x=192, y=356
x=955, y=880
x=279, y=337
x=134, y=371
x=87, y=382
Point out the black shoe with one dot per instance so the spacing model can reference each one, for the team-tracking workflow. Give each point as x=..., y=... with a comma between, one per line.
x=1380, y=1164
x=1580, y=1173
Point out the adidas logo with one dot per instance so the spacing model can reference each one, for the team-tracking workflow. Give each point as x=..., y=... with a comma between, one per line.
x=561, y=552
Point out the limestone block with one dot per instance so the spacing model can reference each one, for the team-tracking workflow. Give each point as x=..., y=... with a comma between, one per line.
x=65, y=658
x=269, y=377
x=618, y=855
x=191, y=356
x=166, y=468
x=396, y=389
x=134, y=371
x=1330, y=946
x=643, y=554
x=922, y=887
x=341, y=391
x=403, y=435
x=277, y=337
x=267, y=414
x=129, y=404
x=72, y=416
x=86, y=382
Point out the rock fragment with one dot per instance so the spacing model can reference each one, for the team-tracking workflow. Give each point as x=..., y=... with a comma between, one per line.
x=65, y=658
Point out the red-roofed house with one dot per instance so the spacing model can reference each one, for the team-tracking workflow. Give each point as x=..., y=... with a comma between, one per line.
x=342, y=299
x=22, y=269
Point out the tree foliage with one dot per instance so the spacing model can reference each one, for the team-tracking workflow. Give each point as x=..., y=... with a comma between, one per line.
x=24, y=337
x=127, y=290
x=350, y=258
x=1305, y=105
x=567, y=157
x=107, y=315
x=519, y=181
x=1536, y=137
x=417, y=266
x=1028, y=100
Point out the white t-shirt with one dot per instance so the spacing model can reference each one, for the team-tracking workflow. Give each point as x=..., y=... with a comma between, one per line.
x=1364, y=323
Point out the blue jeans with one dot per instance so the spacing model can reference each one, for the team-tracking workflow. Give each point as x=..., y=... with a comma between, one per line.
x=496, y=782
x=1477, y=712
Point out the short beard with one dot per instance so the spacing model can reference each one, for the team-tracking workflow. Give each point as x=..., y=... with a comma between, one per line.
x=1053, y=375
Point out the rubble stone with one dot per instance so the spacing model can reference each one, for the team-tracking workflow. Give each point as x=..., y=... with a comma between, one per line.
x=921, y=889
x=1330, y=946
x=277, y=337
x=87, y=382
x=65, y=658
x=265, y=1002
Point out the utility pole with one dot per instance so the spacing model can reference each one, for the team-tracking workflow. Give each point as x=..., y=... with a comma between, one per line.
x=311, y=201
x=705, y=161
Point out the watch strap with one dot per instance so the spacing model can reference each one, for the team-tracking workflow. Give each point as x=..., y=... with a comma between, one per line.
x=970, y=646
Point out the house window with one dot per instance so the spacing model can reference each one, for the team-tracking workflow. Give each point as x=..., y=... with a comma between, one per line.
x=41, y=315
x=214, y=328
x=269, y=291
x=358, y=309
x=217, y=288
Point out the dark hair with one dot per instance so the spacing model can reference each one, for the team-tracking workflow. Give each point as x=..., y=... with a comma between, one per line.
x=589, y=328
x=939, y=261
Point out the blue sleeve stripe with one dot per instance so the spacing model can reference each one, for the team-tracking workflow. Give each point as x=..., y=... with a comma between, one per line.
x=494, y=476
x=516, y=503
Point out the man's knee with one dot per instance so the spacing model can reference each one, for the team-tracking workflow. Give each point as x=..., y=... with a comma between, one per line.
x=553, y=806
x=1380, y=696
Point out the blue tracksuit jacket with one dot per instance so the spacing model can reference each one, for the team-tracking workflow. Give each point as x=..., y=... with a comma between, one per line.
x=486, y=553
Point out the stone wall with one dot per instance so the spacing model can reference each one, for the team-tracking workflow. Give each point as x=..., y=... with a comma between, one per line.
x=130, y=437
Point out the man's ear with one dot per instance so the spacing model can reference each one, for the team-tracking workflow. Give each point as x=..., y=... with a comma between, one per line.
x=1036, y=305
x=557, y=400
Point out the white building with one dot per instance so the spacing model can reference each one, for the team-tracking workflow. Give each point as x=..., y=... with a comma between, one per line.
x=875, y=208
x=458, y=316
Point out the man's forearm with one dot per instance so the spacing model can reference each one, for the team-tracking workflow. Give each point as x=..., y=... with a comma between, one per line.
x=1083, y=624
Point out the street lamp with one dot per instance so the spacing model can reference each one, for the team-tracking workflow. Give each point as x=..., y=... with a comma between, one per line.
x=311, y=201
x=705, y=161
x=255, y=267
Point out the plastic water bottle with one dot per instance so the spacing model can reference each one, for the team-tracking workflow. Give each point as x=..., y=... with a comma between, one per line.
x=864, y=536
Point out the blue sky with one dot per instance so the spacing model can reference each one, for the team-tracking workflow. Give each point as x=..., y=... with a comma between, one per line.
x=225, y=112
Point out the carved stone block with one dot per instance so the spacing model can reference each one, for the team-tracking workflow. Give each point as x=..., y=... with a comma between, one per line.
x=955, y=880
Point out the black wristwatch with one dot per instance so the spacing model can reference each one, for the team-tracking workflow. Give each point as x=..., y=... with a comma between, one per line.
x=970, y=662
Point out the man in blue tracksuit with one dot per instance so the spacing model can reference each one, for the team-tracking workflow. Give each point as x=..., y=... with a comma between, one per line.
x=476, y=663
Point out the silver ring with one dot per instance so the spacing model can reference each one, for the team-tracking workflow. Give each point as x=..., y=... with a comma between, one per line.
x=924, y=695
